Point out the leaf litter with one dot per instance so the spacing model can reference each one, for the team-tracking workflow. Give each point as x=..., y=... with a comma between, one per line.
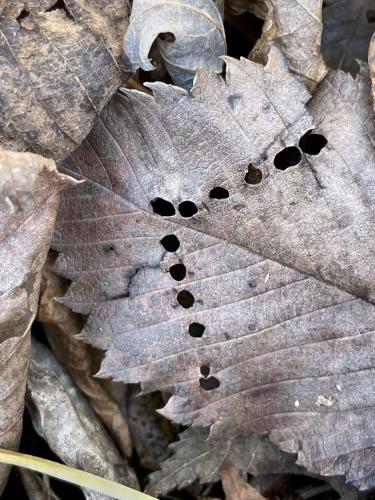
x=219, y=250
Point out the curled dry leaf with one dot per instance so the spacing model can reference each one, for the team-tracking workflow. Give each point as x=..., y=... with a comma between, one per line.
x=197, y=457
x=82, y=361
x=233, y=259
x=58, y=69
x=191, y=35
x=295, y=28
x=29, y=194
x=235, y=487
x=348, y=27
x=81, y=442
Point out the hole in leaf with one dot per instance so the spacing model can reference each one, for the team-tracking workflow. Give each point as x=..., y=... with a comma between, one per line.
x=187, y=208
x=196, y=329
x=167, y=37
x=22, y=15
x=209, y=384
x=60, y=4
x=185, y=299
x=163, y=207
x=254, y=175
x=288, y=157
x=219, y=193
x=205, y=370
x=178, y=272
x=170, y=242
x=311, y=143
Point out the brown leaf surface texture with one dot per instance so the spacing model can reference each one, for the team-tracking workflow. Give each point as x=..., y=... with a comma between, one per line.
x=81, y=441
x=235, y=487
x=58, y=69
x=82, y=361
x=29, y=194
x=295, y=28
x=266, y=324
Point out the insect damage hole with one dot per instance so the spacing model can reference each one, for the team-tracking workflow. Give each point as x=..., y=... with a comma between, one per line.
x=196, y=329
x=178, y=272
x=185, y=299
x=163, y=207
x=209, y=384
x=311, y=143
x=219, y=193
x=170, y=242
x=288, y=157
x=187, y=208
x=254, y=175
x=205, y=370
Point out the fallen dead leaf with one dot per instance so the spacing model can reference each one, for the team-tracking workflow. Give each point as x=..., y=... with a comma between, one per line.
x=233, y=259
x=81, y=441
x=189, y=34
x=59, y=67
x=29, y=195
x=236, y=488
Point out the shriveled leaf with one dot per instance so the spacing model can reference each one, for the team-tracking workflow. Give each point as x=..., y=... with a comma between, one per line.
x=266, y=324
x=348, y=27
x=58, y=69
x=295, y=28
x=235, y=487
x=61, y=326
x=81, y=441
x=29, y=194
x=198, y=36
x=197, y=457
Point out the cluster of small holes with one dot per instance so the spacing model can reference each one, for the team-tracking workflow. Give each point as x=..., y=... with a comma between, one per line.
x=208, y=383
x=310, y=143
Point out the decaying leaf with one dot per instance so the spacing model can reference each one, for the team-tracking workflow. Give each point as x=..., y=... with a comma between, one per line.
x=29, y=194
x=233, y=259
x=195, y=457
x=81, y=441
x=61, y=325
x=295, y=28
x=348, y=27
x=58, y=69
x=235, y=487
x=198, y=36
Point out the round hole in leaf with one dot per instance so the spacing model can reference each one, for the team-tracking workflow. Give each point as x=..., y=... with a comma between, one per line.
x=196, y=329
x=205, y=370
x=167, y=37
x=254, y=175
x=209, y=384
x=170, y=242
x=219, y=193
x=163, y=207
x=185, y=299
x=288, y=157
x=178, y=272
x=187, y=208
x=311, y=143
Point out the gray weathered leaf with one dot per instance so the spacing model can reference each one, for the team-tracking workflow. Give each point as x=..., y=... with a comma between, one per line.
x=196, y=457
x=80, y=439
x=271, y=327
x=197, y=28
x=29, y=195
x=295, y=28
x=58, y=69
x=348, y=27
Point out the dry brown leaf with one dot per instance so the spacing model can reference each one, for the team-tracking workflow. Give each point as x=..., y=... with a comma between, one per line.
x=236, y=488
x=199, y=37
x=348, y=27
x=195, y=457
x=295, y=28
x=265, y=325
x=29, y=195
x=80, y=440
x=59, y=66
x=81, y=360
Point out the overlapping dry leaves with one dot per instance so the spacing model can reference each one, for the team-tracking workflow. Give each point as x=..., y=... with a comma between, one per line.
x=220, y=249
